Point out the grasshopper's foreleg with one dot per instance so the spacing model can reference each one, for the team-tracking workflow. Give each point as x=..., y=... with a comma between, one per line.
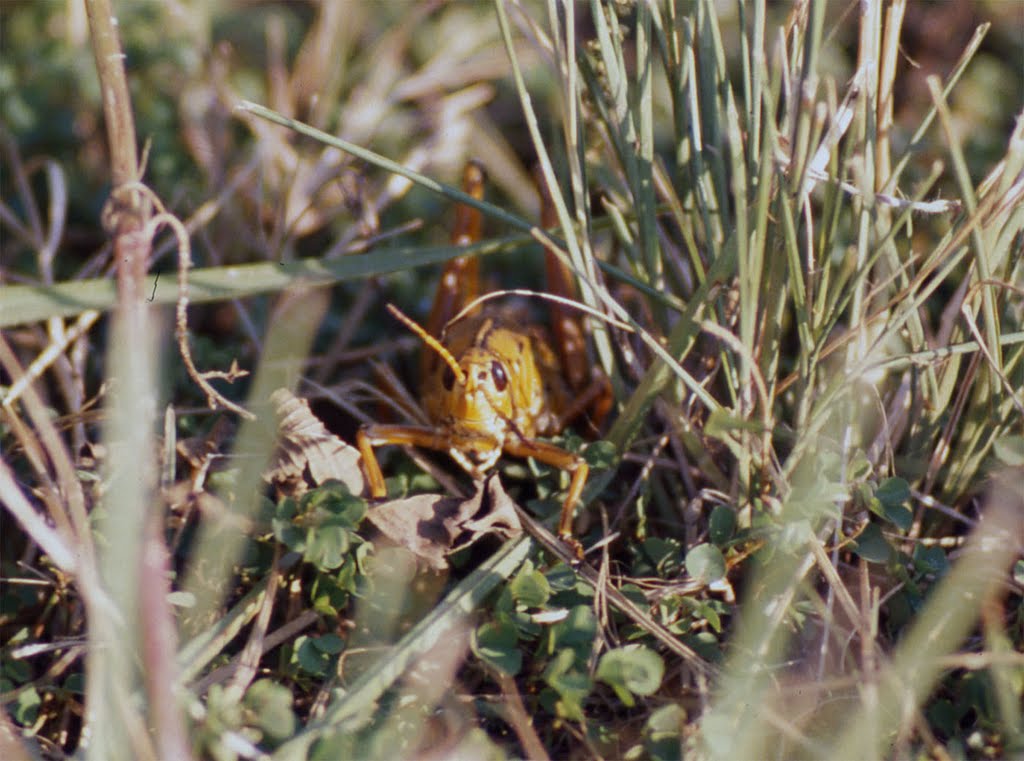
x=558, y=458
x=371, y=436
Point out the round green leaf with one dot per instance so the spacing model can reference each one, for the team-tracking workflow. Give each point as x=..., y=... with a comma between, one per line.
x=705, y=644
x=706, y=563
x=561, y=578
x=328, y=594
x=286, y=509
x=893, y=492
x=900, y=515
x=342, y=507
x=326, y=546
x=888, y=502
x=658, y=556
x=530, y=589
x=635, y=668
x=706, y=611
x=872, y=546
x=331, y=644
x=942, y=715
x=634, y=594
x=930, y=559
x=497, y=644
x=271, y=707
x=577, y=630
x=25, y=706
x=290, y=535
x=663, y=733
x=721, y=524
x=571, y=684
x=310, y=658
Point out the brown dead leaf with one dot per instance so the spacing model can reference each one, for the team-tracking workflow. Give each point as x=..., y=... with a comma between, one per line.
x=498, y=515
x=307, y=453
x=433, y=527
x=424, y=524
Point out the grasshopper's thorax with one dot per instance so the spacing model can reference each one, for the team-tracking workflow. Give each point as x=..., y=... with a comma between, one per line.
x=502, y=395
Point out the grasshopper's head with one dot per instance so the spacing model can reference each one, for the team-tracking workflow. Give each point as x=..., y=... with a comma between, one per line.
x=477, y=399
x=470, y=397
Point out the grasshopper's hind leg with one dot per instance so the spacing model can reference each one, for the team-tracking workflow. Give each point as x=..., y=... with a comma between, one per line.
x=590, y=387
x=460, y=279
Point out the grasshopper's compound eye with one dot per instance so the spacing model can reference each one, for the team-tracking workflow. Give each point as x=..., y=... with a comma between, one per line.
x=448, y=379
x=499, y=376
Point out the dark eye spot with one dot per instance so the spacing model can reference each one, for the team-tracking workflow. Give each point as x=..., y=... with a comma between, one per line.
x=448, y=379
x=498, y=373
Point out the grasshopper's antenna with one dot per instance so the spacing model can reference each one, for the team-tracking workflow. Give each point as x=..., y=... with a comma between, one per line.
x=430, y=341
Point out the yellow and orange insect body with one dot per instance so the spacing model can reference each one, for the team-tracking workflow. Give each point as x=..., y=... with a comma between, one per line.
x=489, y=385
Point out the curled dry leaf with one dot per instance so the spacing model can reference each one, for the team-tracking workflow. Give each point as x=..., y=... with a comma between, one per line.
x=494, y=513
x=307, y=453
x=433, y=527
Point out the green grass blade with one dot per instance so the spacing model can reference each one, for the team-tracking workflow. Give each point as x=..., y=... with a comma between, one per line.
x=357, y=704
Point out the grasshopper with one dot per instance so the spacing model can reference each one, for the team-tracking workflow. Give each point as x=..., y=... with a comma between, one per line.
x=491, y=386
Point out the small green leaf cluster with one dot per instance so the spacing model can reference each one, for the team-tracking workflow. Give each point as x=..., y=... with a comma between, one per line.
x=327, y=559
x=264, y=716
x=316, y=656
x=544, y=631
x=321, y=525
x=697, y=620
x=16, y=677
